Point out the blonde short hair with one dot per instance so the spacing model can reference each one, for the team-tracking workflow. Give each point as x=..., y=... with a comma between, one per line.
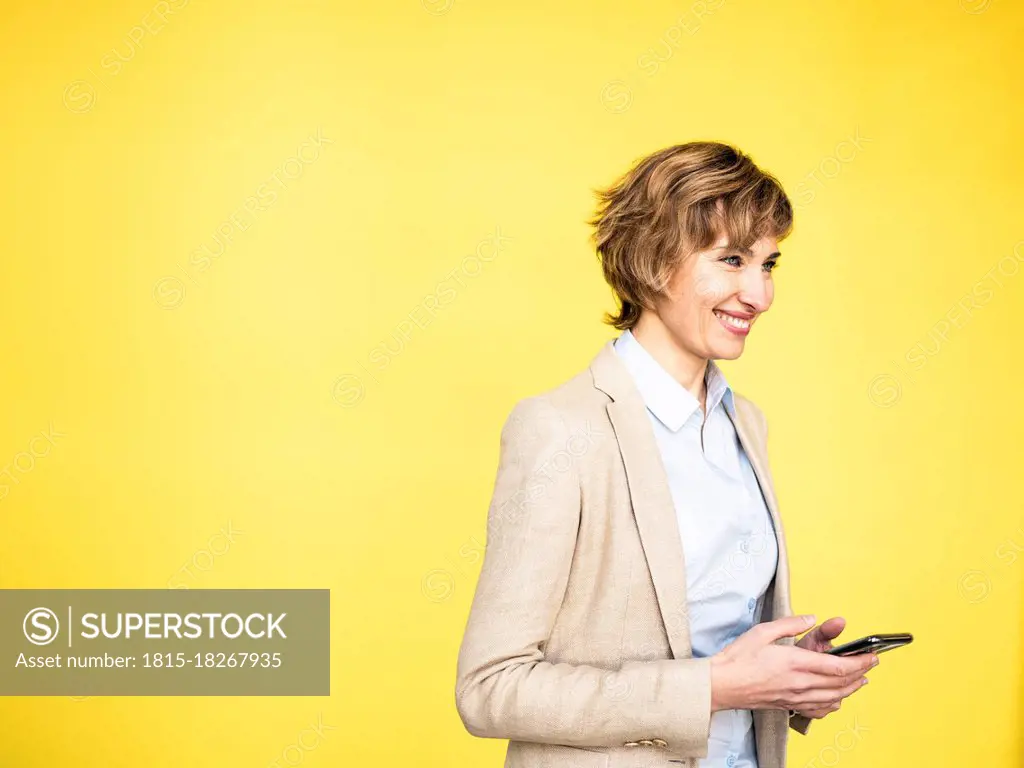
x=675, y=202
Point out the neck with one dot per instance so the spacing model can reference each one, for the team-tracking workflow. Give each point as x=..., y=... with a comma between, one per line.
x=683, y=365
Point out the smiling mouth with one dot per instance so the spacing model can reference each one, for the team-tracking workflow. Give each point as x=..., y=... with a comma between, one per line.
x=734, y=324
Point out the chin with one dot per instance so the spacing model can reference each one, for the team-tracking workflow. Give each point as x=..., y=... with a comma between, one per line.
x=727, y=351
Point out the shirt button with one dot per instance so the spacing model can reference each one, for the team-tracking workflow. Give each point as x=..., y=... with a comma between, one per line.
x=751, y=603
x=730, y=760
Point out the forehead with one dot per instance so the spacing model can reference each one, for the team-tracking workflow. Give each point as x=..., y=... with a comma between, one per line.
x=764, y=247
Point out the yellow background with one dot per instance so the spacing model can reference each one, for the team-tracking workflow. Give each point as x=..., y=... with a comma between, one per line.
x=188, y=399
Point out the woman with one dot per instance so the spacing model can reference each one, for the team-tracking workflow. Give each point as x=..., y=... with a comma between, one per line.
x=633, y=605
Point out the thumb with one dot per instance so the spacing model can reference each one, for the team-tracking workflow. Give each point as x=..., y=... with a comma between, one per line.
x=788, y=626
x=832, y=628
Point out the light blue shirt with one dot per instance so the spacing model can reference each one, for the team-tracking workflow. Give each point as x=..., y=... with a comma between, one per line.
x=727, y=533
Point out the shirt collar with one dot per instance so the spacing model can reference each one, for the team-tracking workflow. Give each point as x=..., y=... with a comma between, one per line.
x=665, y=397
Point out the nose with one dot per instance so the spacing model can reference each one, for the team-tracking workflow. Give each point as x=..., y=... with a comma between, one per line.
x=756, y=289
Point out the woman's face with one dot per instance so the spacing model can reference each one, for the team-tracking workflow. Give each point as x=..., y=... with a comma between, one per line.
x=715, y=297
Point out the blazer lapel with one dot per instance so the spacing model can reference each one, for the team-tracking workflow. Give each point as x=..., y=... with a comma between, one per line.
x=751, y=441
x=655, y=518
x=649, y=493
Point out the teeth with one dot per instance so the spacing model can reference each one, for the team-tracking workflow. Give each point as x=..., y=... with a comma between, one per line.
x=735, y=322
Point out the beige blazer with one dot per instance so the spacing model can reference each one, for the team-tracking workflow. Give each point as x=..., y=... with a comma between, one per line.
x=577, y=647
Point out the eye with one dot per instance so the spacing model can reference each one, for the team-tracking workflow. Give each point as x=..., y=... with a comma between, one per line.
x=737, y=263
x=769, y=265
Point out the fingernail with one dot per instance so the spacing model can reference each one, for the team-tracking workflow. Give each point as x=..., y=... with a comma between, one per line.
x=874, y=661
x=863, y=681
x=808, y=618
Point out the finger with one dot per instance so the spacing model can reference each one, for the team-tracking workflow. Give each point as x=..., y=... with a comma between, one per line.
x=849, y=690
x=788, y=626
x=852, y=688
x=832, y=684
x=820, y=638
x=835, y=666
x=814, y=696
x=819, y=713
x=813, y=641
x=816, y=714
x=832, y=708
x=831, y=628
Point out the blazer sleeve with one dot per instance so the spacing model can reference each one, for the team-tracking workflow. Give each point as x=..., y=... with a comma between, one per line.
x=505, y=686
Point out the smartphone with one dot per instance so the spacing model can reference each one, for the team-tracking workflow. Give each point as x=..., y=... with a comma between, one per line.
x=872, y=644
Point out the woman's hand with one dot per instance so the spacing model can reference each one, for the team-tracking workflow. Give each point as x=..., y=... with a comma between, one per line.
x=820, y=640
x=753, y=672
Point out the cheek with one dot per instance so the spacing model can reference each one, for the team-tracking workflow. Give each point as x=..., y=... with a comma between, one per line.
x=682, y=313
x=690, y=318
x=710, y=290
